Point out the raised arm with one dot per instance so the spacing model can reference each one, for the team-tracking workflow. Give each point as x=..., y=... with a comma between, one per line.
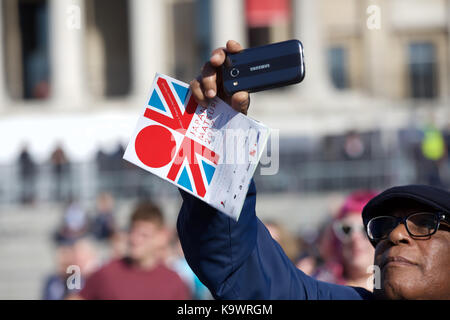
x=240, y=260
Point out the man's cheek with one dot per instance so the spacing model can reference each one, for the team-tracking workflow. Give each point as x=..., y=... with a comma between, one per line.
x=400, y=277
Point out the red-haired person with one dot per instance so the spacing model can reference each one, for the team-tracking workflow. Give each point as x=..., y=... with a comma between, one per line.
x=345, y=248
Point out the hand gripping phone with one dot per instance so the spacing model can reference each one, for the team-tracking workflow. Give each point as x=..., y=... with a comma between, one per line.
x=265, y=67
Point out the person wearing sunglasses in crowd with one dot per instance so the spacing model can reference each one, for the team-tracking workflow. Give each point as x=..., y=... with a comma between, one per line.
x=345, y=250
x=408, y=226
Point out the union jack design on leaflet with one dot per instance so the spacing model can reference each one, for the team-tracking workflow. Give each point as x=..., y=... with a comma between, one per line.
x=172, y=108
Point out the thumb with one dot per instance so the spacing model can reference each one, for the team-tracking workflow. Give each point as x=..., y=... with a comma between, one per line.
x=240, y=101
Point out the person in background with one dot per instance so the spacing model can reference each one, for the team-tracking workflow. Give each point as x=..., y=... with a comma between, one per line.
x=119, y=244
x=60, y=168
x=75, y=223
x=55, y=287
x=284, y=238
x=78, y=253
x=345, y=248
x=447, y=146
x=175, y=259
x=142, y=274
x=310, y=257
x=353, y=147
x=434, y=156
x=27, y=175
x=307, y=263
x=103, y=225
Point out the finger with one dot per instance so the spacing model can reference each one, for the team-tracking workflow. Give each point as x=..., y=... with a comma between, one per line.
x=217, y=57
x=234, y=46
x=208, y=82
x=198, y=93
x=240, y=101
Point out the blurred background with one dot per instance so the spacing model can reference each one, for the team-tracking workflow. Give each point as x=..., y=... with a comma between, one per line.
x=372, y=112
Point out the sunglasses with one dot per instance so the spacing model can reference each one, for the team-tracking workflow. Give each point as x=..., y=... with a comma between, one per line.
x=418, y=225
x=345, y=230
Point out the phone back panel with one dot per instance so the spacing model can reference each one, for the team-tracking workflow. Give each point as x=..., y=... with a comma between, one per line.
x=265, y=67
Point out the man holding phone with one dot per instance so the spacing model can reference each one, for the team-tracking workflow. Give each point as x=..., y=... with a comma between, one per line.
x=408, y=226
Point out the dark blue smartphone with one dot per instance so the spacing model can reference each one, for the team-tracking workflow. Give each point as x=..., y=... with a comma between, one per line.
x=265, y=67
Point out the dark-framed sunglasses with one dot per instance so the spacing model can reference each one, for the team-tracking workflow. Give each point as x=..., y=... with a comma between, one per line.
x=418, y=225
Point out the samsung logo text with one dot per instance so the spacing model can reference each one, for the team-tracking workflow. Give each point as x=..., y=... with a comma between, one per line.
x=260, y=67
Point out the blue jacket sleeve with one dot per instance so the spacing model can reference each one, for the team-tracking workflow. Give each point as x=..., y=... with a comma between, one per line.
x=240, y=260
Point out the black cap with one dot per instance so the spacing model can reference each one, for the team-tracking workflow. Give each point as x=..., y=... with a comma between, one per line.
x=433, y=197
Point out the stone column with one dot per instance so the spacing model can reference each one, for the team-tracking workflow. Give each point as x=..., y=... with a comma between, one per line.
x=12, y=48
x=66, y=45
x=448, y=48
x=308, y=29
x=228, y=22
x=376, y=46
x=148, y=42
x=2, y=63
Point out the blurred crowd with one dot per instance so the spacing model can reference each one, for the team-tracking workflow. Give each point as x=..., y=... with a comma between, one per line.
x=145, y=261
x=339, y=252
x=425, y=147
x=94, y=259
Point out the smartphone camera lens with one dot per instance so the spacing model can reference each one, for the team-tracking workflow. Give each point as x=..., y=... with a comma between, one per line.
x=234, y=72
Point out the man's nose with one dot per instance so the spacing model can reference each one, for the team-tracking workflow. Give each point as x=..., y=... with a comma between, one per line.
x=399, y=234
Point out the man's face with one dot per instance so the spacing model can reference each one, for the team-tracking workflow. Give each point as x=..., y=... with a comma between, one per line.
x=411, y=267
x=146, y=239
